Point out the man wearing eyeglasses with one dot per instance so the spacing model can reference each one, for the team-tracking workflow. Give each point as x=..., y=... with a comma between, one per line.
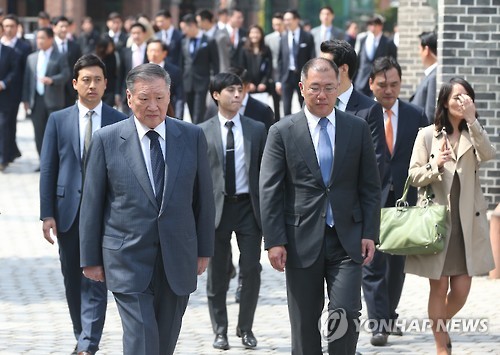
x=320, y=210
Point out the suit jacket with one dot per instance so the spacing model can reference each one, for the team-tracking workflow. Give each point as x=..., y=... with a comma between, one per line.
x=335, y=33
x=73, y=53
x=254, y=135
x=259, y=67
x=293, y=196
x=57, y=70
x=273, y=41
x=61, y=164
x=198, y=68
x=235, y=52
x=174, y=48
x=410, y=119
x=386, y=47
x=9, y=61
x=425, y=96
x=125, y=67
x=223, y=42
x=305, y=52
x=23, y=49
x=122, y=40
x=176, y=88
x=474, y=147
x=121, y=226
x=371, y=111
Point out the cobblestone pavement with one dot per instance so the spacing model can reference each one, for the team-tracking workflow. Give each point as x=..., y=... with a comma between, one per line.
x=34, y=317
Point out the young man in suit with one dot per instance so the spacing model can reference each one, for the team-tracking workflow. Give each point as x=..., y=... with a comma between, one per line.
x=69, y=48
x=296, y=48
x=45, y=76
x=374, y=45
x=200, y=60
x=23, y=49
x=383, y=278
x=157, y=52
x=235, y=147
x=114, y=24
x=237, y=35
x=273, y=40
x=425, y=96
x=353, y=102
x=205, y=19
x=171, y=36
x=147, y=215
x=65, y=147
x=320, y=208
x=326, y=31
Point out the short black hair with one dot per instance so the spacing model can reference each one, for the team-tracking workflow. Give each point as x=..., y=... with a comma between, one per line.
x=294, y=12
x=88, y=60
x=221, y=81
x=233, y=10
x=11, y=17
x=165, y=13
x=329, y=8
x=58, y=19
x=376, y=19
x=189, y=19
x=241, y=72
x=138, y=24
x=429, y=39
x=311, y=64
x=44, y=15
x=342, y=53
x=48, y=31
x=164, y=46
x=115, y=15
x=223, y=11
x=384, y=64
x=278, y=15
x=206, y=15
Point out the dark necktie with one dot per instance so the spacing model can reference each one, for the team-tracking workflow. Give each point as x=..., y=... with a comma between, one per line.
x=230, y=169
x=325, y=154
x=157, y=165
x=192, y=45
x=295, y=47
x=88, y=136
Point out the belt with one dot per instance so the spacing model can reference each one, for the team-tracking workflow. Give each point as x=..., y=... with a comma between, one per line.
x=236, y=198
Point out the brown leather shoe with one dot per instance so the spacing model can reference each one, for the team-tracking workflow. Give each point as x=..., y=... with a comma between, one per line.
x=84, y=353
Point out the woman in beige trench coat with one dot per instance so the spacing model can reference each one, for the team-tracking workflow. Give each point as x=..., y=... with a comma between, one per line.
x=449, y=162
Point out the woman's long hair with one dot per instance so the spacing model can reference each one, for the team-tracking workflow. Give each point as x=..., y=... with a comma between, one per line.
x=249, y=46
x=441, y=118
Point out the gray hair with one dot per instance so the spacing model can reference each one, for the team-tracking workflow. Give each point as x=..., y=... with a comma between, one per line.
x=147, y=72
x=320, y=65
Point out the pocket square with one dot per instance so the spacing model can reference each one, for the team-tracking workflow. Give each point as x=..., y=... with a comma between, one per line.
x=204, y=44
x=303, y=45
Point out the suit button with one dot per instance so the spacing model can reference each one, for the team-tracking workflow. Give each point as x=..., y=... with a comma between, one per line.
x=79, y=191
x=477, y=213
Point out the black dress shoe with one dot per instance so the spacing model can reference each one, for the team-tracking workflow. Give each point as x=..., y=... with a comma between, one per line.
x=396, y=331
x=221, y=342
x=379, y=339
x=247, y=338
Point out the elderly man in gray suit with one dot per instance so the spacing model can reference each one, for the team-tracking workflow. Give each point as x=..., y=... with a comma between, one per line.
x=147, y=215
x=320, y=208
x=45, y=76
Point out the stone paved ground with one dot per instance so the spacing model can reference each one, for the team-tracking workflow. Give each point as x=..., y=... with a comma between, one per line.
x=34, y=317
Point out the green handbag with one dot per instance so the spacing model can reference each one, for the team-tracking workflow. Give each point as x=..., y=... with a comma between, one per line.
x=413, y=230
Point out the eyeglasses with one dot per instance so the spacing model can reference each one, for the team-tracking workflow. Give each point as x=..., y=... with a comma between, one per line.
x=328, y=89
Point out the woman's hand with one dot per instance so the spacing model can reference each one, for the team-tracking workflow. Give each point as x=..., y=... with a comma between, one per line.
x=468, y=108
x=444, y=154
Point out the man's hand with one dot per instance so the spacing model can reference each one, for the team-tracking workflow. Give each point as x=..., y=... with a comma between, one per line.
x=202, y=264
x=367, y=250
x=48, y=224
x=46, y=80
x=95, y=273
x=277, y=257
x=278, y=88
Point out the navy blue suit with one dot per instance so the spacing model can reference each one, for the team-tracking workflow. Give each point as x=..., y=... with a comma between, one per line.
x=383, y=278
x=177, y=97
x=61, y=179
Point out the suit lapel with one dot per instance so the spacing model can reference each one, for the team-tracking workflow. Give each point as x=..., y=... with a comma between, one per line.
x=75, y=132
x=343, y=128
x=303, y=141
x=175, y=146
x=463, y=145
x=132, y=150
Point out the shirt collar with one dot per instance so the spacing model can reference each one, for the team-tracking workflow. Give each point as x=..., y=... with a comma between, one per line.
x=394, y=109
x=429, y=70
x=82, y=110
x=312, y=118
x=10, y=43
x=47, y=52
x=143, y=129
x=346, y=95
x=236, y=120
x=59, y=41
x=134, y=47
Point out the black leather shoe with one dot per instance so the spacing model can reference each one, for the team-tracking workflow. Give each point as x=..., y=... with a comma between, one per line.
x=379, y=339
x=396, y=331
x=247, y=338
x=221, y=342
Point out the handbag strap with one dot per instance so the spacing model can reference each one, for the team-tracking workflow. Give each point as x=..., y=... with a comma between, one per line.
x=429, y=195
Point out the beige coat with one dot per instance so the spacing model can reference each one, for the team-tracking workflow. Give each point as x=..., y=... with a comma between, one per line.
x=473, y=147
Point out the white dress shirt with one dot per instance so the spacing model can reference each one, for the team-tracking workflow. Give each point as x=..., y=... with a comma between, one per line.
x=144, y=139
x=315, y=128
x=83, y=119
x=371, y=44
x=429, y=70
x=344, y=98
x=138, y=54
x=243, y=105
x=291, y=35
x=241, y=176
x=41, y=69
x=59, y=43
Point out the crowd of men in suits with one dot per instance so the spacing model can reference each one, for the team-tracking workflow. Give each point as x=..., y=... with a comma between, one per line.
x=291, y=189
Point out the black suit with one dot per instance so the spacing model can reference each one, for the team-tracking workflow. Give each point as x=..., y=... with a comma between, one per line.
x=125, y=67
x=120, y=41
x=177, y=97
x=386, y=47
x=290, y=78
x=174, y=47
x=241, y=216
x=235, y=52
x=73, y=52
x=425, y=95
x=383, y=278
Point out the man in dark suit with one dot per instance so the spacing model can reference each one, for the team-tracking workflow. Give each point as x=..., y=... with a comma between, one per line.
x=235, y=147
x=353, y=102
x=131, y=57
x=64, y=149
x=237, y=35
x=45, y=76
x=205, y=19
x=425, y=96
x=373, y=46
x=383, y=278
x=23, y=49
x=72, y=51
x=157, y=52
x=171, y=36
x=326, y=31
x=200, y=60
x=147, y=216
x=88, y=37
x=296, y=48
x=320, y=208
x=9, y=61
x=273, y=41
x=114, y=24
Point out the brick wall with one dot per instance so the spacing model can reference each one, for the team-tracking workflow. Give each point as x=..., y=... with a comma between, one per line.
x=469, y=46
